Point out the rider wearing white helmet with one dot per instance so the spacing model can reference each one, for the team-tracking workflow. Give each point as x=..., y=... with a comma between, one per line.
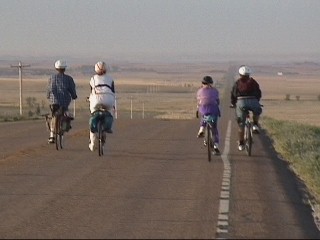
x=60, y=90
x=102, y=95
x=246, y=93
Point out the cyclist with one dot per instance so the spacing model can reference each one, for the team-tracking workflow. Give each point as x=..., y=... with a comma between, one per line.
x=208, y=104
x=102, y=95
x=246, y=93
x=60, y=90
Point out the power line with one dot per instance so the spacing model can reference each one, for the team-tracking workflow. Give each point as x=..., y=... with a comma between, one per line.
x=20, y=67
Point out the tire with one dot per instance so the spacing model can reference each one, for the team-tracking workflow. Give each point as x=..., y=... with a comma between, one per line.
x=248, y=137
x=61, y=138
x=209, y=142
x=58, y=134
x=100, y=137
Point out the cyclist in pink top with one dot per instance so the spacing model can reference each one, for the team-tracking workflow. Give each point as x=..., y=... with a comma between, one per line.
x=208, y=104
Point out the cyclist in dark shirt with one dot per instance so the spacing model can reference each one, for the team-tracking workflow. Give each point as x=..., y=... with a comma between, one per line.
x=60, y=90
x=246, y=93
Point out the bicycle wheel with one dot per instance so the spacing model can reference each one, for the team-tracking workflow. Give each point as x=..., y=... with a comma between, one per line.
x=58, y=133
x=209, y=141
x=248, y=138
x=100, y=137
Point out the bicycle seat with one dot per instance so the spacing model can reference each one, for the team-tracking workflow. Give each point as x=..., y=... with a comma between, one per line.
x=209, y=118
x=246, y=109
x=101, y=107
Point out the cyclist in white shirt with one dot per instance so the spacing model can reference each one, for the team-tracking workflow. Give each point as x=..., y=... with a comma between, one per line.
x=102, y=96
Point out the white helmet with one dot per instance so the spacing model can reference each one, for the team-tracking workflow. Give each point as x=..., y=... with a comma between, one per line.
x=100, y=68
x=60, y=64
x=244, y=71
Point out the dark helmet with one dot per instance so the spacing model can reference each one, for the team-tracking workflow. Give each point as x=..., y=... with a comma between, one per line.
x=207, y=80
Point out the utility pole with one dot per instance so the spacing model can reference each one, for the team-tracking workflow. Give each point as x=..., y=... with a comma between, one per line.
x=20, y=66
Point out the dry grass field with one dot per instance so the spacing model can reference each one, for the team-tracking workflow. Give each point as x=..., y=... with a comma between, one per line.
x=168, y=91
x=295, y=98
x=165, y=92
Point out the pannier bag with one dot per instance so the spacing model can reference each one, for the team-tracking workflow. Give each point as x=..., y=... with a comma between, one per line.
x=66, y=123
x=96, y=116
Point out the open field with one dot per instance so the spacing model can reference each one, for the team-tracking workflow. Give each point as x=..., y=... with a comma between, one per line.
x=293, y=98
x=164, y=92
x=168, y=91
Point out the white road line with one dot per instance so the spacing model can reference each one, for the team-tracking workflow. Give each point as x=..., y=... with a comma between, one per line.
x=223, y=218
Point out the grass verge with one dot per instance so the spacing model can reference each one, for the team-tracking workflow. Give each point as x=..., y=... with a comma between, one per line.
x=299, y=144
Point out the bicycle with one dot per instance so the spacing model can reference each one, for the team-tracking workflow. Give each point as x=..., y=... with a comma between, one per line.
x=61, y=125
x=209, y=133
x=248, y=130
x=101, y=120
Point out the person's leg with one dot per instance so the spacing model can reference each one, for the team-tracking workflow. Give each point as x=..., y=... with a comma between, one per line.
x=216, y=138
x=201, y=129
x=256, y=110
x=93, y=140
x=109, y=122
x=92, y=129
x=241, y=118
x=53, y=108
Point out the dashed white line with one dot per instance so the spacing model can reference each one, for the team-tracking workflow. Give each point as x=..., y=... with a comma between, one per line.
x=223, y=218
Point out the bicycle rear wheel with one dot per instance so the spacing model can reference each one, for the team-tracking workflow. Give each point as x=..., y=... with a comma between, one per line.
x=209, y=142
x=248, y=139
x=100, y=137
x=58, y=133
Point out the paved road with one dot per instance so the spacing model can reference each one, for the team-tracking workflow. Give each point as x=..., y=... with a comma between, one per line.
x=153, y=182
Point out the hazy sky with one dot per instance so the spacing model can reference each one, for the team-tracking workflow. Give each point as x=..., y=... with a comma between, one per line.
x=159, y=28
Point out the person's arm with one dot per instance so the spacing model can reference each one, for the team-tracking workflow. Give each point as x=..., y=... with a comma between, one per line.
x=218, y=98
x=233, y=94
x=198, y=103
x=257, y=90
x=259, y=95
x=72, y=89
x=112, y=87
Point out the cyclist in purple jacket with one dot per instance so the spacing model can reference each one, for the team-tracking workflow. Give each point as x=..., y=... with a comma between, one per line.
x=208, y=104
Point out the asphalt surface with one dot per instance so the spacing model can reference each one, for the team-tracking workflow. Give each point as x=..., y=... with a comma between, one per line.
x=154, y=181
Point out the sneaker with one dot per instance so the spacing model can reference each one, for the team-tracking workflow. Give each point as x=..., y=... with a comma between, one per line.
x=51, y=140
x=91, y=147
x=216, y=149
x=200, y=135
x=201, y=132
x=241, y=146
x=255, y=129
